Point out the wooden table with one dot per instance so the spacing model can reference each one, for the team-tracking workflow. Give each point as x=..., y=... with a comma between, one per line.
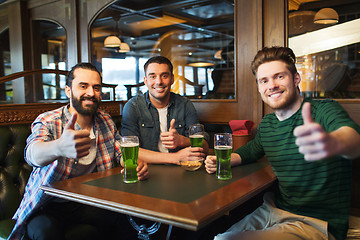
x=171, y=195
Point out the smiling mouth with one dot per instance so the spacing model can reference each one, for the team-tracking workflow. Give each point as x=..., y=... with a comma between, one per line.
x=88, y=101
x=159, y=88
x=275, y=94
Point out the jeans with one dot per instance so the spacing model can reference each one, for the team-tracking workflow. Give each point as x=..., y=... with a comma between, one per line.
x=71, y=220
x=268, y=222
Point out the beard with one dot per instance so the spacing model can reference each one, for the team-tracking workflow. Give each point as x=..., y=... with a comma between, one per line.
x=287, y=102
x=89, y=111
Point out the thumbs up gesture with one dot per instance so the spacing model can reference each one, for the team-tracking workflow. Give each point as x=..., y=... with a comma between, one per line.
x=171, y=139
x=73, y=143
x=313, y=141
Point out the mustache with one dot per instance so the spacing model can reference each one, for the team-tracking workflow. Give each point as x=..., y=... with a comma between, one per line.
x=88, y=98
x=275, y=89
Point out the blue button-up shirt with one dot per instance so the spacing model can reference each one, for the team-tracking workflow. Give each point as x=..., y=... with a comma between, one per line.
x=141, y=118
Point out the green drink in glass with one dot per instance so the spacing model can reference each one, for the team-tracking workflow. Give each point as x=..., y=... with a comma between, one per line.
x=196, y=135
x=130, y=150
x=223, y=150
x=196, y=140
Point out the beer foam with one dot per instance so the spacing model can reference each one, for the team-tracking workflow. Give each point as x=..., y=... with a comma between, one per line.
x=222, y=147
x=129, y=144
x=196, y=136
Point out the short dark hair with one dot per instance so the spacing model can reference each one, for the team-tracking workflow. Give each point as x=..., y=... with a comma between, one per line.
x=159, y=60
x=275, y=53
x=70, y=76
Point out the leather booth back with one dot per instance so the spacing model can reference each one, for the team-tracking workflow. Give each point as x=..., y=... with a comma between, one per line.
x=14, y=171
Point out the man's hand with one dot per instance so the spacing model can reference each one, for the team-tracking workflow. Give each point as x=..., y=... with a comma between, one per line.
x=313, y=141
x=171, y=139
x=142, y=171
x=72, y=143
x=189, y=154
x=210, y=164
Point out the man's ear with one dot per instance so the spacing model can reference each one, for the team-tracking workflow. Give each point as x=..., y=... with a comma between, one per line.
x=68, y=91
x=297, y=79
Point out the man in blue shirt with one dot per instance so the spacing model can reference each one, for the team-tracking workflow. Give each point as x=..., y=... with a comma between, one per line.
x=160, y=118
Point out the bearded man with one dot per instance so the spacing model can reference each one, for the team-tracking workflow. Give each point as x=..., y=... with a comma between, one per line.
x=71, y=141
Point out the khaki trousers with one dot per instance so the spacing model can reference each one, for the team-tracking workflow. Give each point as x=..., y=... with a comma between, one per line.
x=268, y=222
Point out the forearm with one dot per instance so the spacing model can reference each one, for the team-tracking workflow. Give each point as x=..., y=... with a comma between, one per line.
x=185, y=142
x=347, y=142
x=235, y=159
x=40, y=153
x=149, y=156
x=205, y=147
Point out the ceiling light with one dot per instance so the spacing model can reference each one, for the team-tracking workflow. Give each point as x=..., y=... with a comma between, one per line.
x=112, y=41
x=201, y=64
x=124, y=47
x=218, y=54
x=326, y=16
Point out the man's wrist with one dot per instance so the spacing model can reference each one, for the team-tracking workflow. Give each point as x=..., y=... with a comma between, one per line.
x=185, y=141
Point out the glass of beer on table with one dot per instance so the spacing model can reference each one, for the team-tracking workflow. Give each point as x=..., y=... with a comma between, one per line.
x=223, y=148
x=196, y=135
x=130, y=150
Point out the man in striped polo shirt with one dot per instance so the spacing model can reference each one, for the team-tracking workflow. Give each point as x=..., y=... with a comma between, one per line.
x=309, y=144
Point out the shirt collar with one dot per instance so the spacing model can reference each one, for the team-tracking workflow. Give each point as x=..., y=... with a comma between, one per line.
x=171, y=100
x=66, y=116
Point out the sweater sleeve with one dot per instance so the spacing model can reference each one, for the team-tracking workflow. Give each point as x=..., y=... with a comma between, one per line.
x=252, y=151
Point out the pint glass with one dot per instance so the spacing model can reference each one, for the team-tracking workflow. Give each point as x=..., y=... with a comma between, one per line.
x=130, y=150
x=196, y=135
x=223, y=149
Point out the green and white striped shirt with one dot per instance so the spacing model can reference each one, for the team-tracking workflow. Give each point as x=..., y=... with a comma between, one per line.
x=319, y=189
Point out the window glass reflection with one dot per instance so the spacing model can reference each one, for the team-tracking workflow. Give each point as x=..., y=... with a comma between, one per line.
x=50, y=54
x=6, y=91
x=197, y=36
x=328, y=54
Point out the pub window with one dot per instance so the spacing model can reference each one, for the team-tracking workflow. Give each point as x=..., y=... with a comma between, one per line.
x=50, y=53
x=197, y=36
x=6, y=91
x=328, y=53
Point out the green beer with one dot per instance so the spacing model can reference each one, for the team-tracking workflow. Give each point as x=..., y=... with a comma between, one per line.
x=196, y=140
x=130, y=153
x=223, y=165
